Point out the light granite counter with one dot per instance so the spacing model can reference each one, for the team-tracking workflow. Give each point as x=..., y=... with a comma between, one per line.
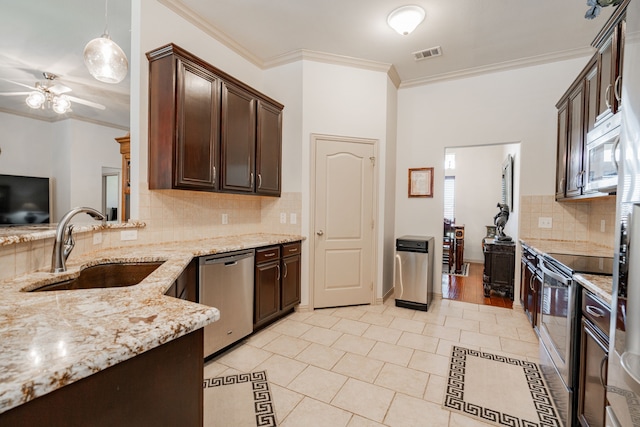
x=50, y=339
x=29, y=233
x=600, y=285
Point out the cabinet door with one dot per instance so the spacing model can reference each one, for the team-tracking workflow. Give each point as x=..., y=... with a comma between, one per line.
x=593, y=371
x=561, y=153
x=238, y=139
x=524, y=282
x=268, y=149
x=575, y=140
x=267, y=291
x=532, y=297
x=290, y=281
x=592, y=93
x=197, y=128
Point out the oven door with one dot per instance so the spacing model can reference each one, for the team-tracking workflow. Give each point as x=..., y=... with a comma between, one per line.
x=557, y=316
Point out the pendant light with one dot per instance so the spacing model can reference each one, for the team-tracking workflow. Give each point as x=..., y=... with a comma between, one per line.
x=103, y=57
x=405, y=19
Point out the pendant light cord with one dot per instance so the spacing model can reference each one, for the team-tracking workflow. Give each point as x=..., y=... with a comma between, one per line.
x=106, y=18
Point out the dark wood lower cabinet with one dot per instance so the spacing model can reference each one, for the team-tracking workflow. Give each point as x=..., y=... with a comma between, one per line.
x=160, y=387
x=592, y=399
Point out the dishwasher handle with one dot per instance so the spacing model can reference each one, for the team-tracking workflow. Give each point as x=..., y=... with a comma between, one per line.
x=228, y=258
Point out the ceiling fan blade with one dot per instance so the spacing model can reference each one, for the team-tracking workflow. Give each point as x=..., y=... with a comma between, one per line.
x=19, y=84
x=85, y=102
x=59, y=89
x=14, y=93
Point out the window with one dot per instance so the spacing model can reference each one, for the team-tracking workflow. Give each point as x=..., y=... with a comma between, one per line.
x=449, y=197
x=450, y=161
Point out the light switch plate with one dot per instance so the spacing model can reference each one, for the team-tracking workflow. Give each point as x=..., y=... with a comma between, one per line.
x=545, y=222
x=293, y=218
x=283, y=218
x=129, y=235
x=225, y=218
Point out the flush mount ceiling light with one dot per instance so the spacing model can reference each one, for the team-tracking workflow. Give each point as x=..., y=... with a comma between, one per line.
x=405, y=19
x=104, y=58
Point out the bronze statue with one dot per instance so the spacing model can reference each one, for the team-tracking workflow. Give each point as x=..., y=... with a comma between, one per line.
x=500, y=220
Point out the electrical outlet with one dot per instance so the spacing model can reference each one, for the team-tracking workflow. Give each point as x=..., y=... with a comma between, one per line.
x=545, y=222
x=97, y=238
x=129, y=235
x=293, y=218
x=602, y=225
x=225, y=218
x=283, y=218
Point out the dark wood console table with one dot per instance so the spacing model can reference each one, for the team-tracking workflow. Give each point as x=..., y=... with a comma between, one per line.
x=499, y=266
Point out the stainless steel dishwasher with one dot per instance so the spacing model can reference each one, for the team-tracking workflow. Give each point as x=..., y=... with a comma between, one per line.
x=226, y=282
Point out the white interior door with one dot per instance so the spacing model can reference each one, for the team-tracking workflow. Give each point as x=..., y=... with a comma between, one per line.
x=343, y=222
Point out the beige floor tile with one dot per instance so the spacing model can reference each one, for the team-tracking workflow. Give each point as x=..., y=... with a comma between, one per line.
x=436, y=388
x=404, y=313
x=320, y=355
x=418, y=342
x=318, y=383
x=357, y=421
x=244, y=358
x=481, y=340
x=321, y=319
x=407, y=325
x=214, y=369
x=463, y=305
x=430, y=363
x=293, y=328
x=359, y=367
x=480, y=316
x=522, y=348
x=321, y=335
x=284, y=400
x=459, y=420
x=391, y=353
x=444, y=332
x=403, y=380
x=499, y=330
x=528, y=334
x=299, y=315
x=448, y=312
x=287, y=346
x=462, y=324
x=380, y=333
x=374, y=308
x=312, y=413
x=262, y=338
x=367, y=400
x=353, y=313
x=407, y=411
x=353, y=327
x=354, y=344
x=281, y=370
x=444, y=347
x=378, y=319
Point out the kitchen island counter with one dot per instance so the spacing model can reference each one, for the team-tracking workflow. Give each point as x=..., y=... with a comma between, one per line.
x=51, y=339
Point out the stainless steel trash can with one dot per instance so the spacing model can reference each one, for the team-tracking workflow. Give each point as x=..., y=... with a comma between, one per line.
x=413, y=278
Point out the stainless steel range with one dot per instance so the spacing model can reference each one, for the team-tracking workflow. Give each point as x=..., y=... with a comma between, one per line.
x=559, y=323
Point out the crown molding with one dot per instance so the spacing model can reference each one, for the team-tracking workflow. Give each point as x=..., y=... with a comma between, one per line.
x=63, y=117
x=501, y=66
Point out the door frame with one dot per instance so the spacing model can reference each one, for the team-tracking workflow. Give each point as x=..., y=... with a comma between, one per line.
x=312, y=210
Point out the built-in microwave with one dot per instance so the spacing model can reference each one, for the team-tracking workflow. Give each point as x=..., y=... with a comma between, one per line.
x=602, y=156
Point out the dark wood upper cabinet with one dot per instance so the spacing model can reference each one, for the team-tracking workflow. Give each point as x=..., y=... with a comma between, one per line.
x=208, y=131
x=561, y=153
x=575, y=142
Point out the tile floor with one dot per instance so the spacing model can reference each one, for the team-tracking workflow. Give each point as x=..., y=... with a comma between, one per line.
x=373, y=365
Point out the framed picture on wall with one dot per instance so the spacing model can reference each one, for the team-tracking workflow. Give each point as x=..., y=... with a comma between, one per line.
x=421, y=182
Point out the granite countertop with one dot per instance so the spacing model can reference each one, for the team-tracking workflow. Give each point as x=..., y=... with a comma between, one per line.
x=50, y=339
x=600, y=285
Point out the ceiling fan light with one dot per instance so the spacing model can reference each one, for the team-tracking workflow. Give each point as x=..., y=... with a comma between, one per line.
x=105, y=60
x=35, y=99
x=61, y=104
x=405, y=19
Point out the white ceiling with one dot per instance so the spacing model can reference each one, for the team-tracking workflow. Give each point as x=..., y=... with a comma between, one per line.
x=475, y=36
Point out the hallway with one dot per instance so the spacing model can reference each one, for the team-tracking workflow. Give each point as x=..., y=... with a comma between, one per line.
x=469, y=289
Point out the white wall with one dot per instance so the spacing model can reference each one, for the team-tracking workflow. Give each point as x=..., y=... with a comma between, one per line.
x=71, y=152
x=502, y=107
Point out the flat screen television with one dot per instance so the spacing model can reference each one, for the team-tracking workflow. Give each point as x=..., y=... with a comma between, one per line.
x=24, y=200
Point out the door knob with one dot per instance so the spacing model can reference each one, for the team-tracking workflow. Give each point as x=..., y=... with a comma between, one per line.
x=320, y=233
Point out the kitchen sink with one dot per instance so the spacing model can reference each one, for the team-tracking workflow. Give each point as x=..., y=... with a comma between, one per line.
x=113, y=275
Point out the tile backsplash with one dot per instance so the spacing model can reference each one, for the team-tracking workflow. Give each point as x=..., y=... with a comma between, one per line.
x=171, y=215
x=589, y=221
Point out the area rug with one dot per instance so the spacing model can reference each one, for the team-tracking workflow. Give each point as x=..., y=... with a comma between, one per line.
x=242, y=400
x=499, y=390
x=464, y=273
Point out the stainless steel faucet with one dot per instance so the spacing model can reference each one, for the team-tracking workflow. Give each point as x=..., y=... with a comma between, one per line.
x=64, y=242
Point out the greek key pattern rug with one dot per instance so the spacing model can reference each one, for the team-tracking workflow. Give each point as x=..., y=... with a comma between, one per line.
x=499, y=390
x=242, y=400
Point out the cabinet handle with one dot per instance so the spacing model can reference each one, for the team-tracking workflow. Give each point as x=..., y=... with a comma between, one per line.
x=606, y=96
x=214, y=175
x=595, y=311
x=286, y=271
x=320, y=233
x=613, y=152
x=251, y=179
x=616, y=89
x=278, y=277
x=531, y=282
x=270, y=255
x=259, y=180
x=602, y=362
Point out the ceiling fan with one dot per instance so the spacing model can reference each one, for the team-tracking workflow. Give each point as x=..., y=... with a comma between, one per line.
x=50, y=95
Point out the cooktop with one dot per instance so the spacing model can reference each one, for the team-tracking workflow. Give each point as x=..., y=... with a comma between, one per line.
x=583, y=263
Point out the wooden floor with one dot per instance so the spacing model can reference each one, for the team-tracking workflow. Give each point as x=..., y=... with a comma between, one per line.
x=469, y=289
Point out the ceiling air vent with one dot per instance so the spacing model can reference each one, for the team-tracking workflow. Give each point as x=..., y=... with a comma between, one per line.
x=427, y=53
